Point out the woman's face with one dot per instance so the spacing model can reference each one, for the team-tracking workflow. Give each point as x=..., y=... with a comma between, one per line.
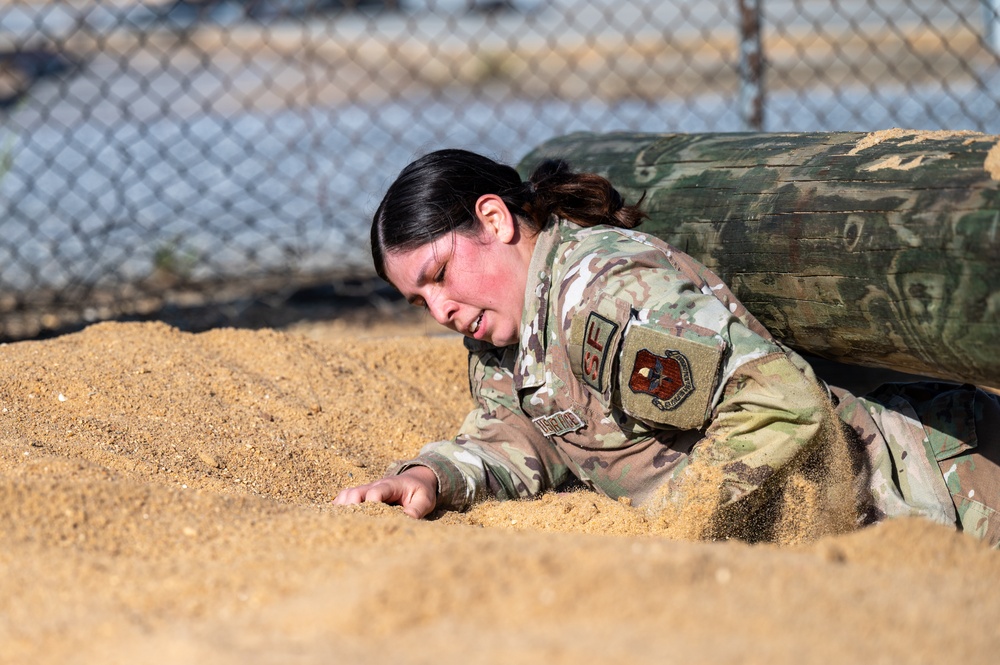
x=471, y=284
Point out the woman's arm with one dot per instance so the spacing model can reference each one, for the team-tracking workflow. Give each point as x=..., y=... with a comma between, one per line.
x=494, y=456
x=498, y=452
x=673, y=348
x=770, y=414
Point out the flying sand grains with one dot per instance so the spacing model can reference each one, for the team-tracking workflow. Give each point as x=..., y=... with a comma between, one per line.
x=815, y=498
x=688, y=510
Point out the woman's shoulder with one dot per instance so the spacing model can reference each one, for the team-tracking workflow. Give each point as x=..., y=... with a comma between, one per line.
x=589, y=262
x=643, y=269
x=599, y=248
x=611, y=239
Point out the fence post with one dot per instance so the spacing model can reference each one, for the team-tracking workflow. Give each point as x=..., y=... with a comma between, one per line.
x=751, y=66
x=991, y=24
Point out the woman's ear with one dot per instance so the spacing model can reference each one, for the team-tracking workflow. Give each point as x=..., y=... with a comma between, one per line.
x=496, y=218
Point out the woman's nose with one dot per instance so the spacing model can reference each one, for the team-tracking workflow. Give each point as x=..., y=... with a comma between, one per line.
x=443, y=310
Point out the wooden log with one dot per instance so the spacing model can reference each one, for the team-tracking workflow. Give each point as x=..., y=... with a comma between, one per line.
x=879, y=249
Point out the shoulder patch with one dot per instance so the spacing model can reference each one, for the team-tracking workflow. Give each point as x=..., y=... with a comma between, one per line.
x=597, y=337
x=594, y=340
x=666, y=379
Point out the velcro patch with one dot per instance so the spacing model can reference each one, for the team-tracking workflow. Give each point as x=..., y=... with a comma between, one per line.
x=597, y=337
x=666, y=379
x=594, y=340
x=558, y=423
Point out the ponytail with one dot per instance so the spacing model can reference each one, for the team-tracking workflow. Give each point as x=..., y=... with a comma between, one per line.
x=586, y=199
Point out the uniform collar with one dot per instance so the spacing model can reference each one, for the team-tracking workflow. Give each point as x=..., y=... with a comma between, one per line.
x=529, y=366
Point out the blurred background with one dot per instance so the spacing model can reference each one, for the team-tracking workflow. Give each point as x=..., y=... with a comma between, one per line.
x=214, y=162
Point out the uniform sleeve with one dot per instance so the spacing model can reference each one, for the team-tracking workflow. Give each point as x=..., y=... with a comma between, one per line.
x=759, y=418
x=498, y=453
x=675, y=352
x=769, y=415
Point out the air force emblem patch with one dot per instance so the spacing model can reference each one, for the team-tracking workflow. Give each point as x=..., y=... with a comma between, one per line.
x=666, y=378
x=669, y=379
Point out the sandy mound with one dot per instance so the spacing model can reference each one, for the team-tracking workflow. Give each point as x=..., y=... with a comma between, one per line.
x=165, y=498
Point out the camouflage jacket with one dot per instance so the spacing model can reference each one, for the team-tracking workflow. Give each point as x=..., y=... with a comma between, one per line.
x=634, y=361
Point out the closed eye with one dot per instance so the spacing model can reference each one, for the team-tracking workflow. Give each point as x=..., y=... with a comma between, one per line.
x=417, y=301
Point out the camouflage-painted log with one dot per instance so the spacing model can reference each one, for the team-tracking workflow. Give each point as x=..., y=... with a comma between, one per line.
x=878, y=249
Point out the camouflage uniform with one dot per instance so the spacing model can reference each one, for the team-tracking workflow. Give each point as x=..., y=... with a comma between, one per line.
x=635, y=361
x=928, y=453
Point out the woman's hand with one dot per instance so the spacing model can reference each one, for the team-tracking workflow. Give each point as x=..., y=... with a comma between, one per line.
x=415, y=490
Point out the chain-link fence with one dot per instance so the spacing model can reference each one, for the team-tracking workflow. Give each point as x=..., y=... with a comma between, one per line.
x=194, y=151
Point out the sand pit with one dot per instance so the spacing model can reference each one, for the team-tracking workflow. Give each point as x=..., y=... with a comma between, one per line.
x=165, y=498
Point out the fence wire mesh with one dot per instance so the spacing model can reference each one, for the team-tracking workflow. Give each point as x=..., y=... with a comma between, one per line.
x=192, y=152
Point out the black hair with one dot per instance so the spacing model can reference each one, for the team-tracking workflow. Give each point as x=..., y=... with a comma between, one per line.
x=436, y=195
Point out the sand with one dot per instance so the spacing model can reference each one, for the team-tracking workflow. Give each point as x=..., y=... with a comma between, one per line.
x=165, y=497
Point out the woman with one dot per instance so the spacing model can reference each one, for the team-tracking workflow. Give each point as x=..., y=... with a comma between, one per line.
x=605, y=355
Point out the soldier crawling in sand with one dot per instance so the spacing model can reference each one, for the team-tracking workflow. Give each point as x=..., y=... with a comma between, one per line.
x=599, y=353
